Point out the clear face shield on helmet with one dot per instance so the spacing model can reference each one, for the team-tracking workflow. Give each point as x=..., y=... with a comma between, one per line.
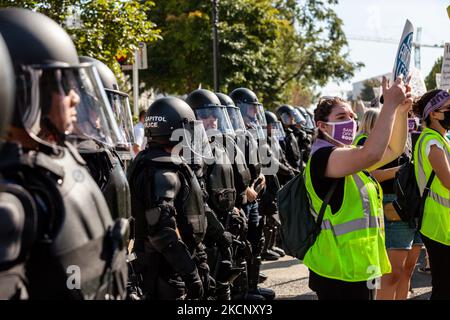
x=276, y=130
x=215, y=120
x=309, y=121
x=236, y=119
x=254, y=119
x=193, y=143
x=293, y=118
x=66, y=103
x=120, y=106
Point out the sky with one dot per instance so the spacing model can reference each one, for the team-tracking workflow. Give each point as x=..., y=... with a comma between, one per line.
x=386, y=19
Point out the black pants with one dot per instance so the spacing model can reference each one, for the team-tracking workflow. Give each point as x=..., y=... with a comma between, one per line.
x=439, y=255
x=331, y=289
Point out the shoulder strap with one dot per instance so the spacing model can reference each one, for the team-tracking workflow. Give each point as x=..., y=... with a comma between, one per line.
x=425, y=193
x=324, y=206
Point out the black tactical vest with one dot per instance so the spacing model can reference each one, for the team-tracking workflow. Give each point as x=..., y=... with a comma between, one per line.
x=106, y=169
x=73, y=246
x=242, y=175
x=188, y=202
x=220, y=181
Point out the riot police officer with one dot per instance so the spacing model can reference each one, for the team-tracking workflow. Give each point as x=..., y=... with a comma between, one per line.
x=77, y=252
x=291, y=119
x=309, y=126
x=167, y=203
x=218, y=178
x=254, y=120
x=296, y=121
x=285, y=172
x=16, y=205
x=275, y=135
x=104, y=161
x=120, y=106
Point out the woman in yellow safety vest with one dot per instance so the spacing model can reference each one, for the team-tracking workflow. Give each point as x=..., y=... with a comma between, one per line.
x=349, y=252
x=432, y=153
x=366, y=125
x=403, y=242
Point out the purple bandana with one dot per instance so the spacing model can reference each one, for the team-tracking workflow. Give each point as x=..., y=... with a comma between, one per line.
x=438, y=101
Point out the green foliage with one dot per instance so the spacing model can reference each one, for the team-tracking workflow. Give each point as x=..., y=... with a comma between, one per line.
x=430, y=80
x=270, y=46
x=367, y=93
x=106, y=26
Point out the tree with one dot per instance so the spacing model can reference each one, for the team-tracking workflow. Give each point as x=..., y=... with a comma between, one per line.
x=270, y=46
x=430, y=80
x=367, y=93
x=106, y=26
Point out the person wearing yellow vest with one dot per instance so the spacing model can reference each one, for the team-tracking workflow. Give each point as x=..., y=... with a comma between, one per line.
x=432, y=153
x=366, y=125
x=349, y=252
x=403, y=242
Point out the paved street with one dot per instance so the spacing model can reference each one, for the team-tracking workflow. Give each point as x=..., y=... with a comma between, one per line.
x=289, y=278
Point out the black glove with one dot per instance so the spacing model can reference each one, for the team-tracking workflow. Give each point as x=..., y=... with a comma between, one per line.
x=194, y=285
x=238, y=224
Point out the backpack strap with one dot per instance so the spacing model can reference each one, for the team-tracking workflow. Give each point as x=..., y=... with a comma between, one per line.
x=425, y=193
x=324, y=206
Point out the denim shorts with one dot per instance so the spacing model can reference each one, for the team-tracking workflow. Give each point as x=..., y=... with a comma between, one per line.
x=400, y=234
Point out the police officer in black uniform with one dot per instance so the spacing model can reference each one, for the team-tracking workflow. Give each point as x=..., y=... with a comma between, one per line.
x=218, y=180
x=104, y=161
x=15, y=214
x=243, y=180
x=291, y=146
x=121, y=110
x=308, y=126
x=253, y=116
x=167, y=203
x=284, y=172
x=76, y=252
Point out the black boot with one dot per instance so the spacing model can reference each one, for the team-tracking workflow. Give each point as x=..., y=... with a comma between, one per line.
x=239, y=287
x=270, y=255
x=253, y=277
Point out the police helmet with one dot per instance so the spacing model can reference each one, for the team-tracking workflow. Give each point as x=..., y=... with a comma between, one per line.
x=208, y=108
x=57, y=98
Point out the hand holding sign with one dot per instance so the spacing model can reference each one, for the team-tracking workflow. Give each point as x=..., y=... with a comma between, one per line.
x=398, y=95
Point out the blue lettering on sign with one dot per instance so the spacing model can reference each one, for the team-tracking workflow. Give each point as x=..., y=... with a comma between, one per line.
x=403, y=57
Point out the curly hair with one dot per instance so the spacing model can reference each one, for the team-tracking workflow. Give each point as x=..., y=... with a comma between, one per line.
x=324, y=108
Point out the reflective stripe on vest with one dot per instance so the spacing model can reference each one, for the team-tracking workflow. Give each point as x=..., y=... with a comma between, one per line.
x=358, y=224
x=351, y=245
x=422, y=179
x=436, y=214
x=353, y=225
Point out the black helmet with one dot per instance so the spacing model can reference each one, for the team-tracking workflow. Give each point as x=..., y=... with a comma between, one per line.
x=274, y=126
x=56, y=96
x=289, y=115
x=119, y=101
x=163, y=121
x=251, y=109
x=208, y=108
x=107, y=77
x=271, y=118
x=244, y=95
x=164, y=116
x=6, y=87
x=225, y=100
x=308, y=115
x=234, y=113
